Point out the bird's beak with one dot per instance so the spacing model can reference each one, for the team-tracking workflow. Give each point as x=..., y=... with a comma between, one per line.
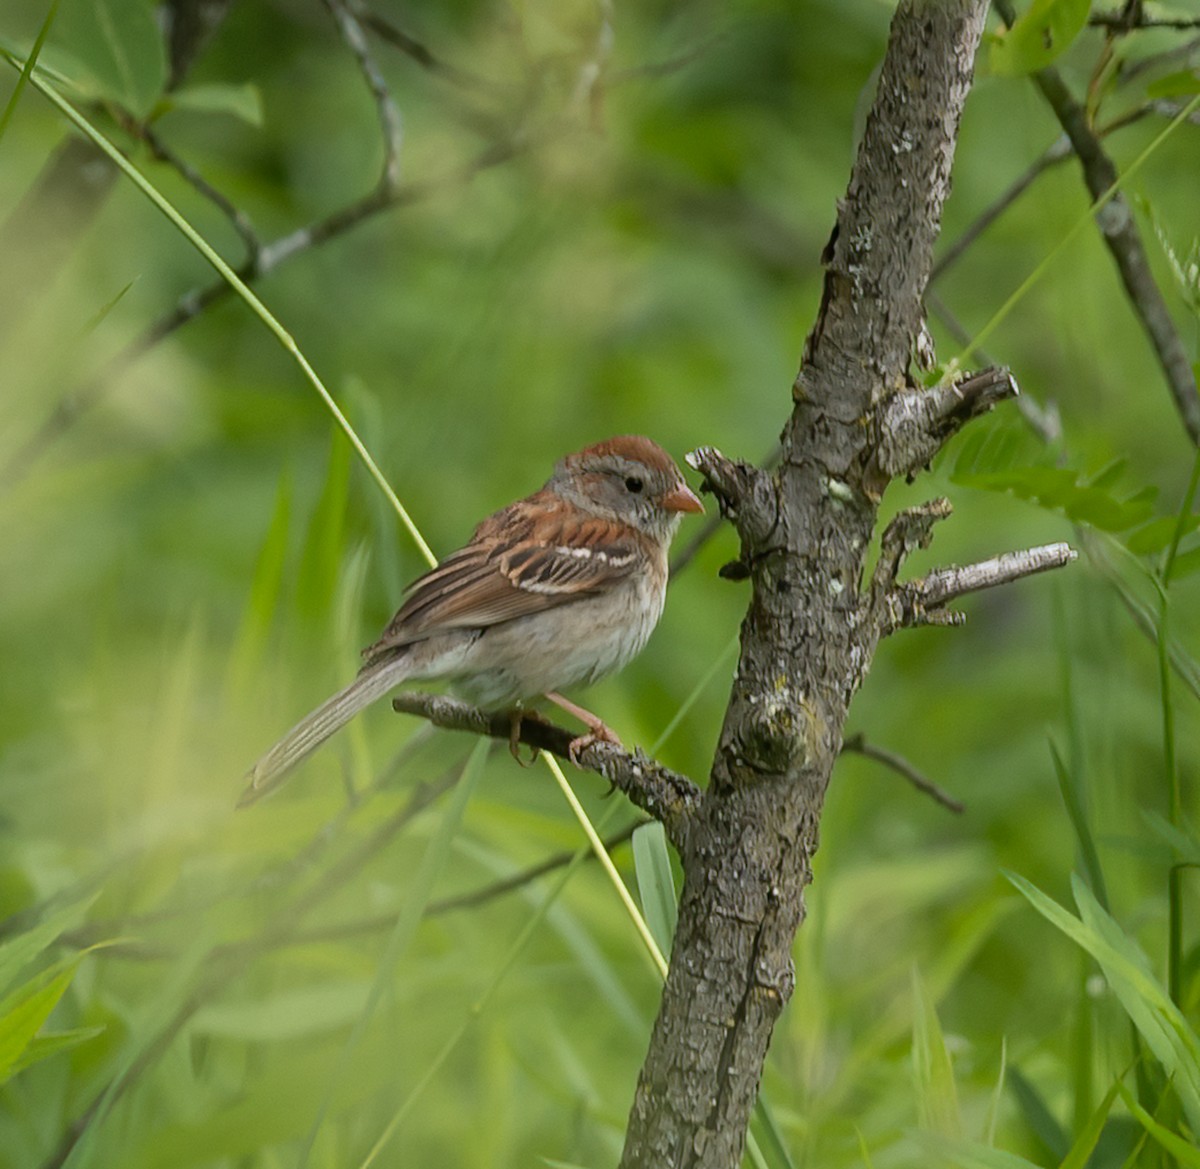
x=681, y=498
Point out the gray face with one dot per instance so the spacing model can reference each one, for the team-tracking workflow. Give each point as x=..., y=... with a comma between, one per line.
x=613, y=487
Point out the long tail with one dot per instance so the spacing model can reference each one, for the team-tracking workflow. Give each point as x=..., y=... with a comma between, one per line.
x=312, y=730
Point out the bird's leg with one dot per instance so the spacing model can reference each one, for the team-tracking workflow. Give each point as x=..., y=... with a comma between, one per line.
x=597, y=731
x=515, y=717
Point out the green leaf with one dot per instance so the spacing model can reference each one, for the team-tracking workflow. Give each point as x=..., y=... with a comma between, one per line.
x=656, y=884
x=30, y=61
x=1185, y=845
x=772, y=1148
x=243, y=102
x=1072, y=797
x=18, y=952
x=1037, y=1115
x=1159, y=1021
x=1180, y=84
x=265, y=587
x=937, y=1094
x=1038, y=37
x=51, y=1043
x=1156, y=535
x=963, y=1154
x=309, y=1010
x=1186, y=564
x=119, y=46
x=22, y=1014
x=1089, y=1135
x=1058, y=488
x=321, y=559
x=1179, y=1147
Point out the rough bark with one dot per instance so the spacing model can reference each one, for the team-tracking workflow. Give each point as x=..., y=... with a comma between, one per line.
x=811, y=629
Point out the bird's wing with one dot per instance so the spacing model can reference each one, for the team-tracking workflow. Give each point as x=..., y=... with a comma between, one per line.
x=532, y=556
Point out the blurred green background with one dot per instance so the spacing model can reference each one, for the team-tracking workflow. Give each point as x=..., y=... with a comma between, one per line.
x=190, y=558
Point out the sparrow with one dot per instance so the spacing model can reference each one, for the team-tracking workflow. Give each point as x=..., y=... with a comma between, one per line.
x=558, y=589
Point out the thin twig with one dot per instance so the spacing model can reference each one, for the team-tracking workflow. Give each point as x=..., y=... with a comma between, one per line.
x=390, y=123
x=1120, y=22
x=238, y=219
x=417, y=50
x=901, y=766
x=1059, y=151
x=1120, y=233
x=943, y=585
x=1043, y=420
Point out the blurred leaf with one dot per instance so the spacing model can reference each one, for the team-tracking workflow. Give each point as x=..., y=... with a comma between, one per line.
x=23, y=1012
x=1044, y=31
x=420, y=889
x=963, y=1154
x=1157, y=534
x=1185, y=845
x=265, y=587
x=1180, y=84
x=1109, y=475
x=31, y=61
x=243, y=102
x=1186, y=564
x=320, y=562
x=119, y=44
x=1073, y=799
x=1127, y=970
x=18, y=952
x=1037, y=1115
x=1058, y=488
x=1182, y=1148
x=772, y=1148
x=937, y=1094
x=656, y=884
x=290, y=1014
x=1088, y=1136
x=51, y=1043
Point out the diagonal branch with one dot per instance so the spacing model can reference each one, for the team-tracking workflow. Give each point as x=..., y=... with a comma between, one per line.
x=666, y=795
x=390, y=123
x=1121, y=235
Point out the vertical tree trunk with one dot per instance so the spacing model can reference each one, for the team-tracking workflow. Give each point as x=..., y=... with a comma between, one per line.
x=811, y=629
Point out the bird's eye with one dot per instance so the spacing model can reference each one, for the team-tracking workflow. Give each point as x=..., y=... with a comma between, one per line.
x=634, y=484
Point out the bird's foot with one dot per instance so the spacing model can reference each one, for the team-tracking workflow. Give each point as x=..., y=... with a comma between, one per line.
x=598, y=732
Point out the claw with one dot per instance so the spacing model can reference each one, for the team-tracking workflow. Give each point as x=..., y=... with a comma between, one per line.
x=598, y=734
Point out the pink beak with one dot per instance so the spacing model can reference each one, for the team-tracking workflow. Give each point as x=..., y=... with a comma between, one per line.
x=681, y=498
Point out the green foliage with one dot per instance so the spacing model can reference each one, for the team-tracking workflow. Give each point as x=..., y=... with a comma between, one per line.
x=656, y=884
x=1167, y=1033
x=114, y=49
x=363, y=966
x=1042, y=33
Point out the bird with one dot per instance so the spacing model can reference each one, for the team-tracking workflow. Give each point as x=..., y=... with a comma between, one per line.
x=556, y=590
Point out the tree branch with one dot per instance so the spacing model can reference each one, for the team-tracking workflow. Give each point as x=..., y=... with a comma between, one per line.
x=1120, y=233
x=921, y=602
x=390, y=124
x=858, y=745
x=915, y=423
x=666, y=795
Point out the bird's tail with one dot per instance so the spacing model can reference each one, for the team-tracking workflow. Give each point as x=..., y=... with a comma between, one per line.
x=312, y=730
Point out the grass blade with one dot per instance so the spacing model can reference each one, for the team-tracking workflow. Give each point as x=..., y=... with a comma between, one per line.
x=656, y=883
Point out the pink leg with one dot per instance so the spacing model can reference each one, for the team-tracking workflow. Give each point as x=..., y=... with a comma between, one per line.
x=597, y=731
